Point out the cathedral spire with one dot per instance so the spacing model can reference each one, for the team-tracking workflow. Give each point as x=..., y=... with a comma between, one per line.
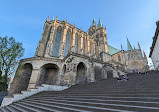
x=100, y=23
x=129, y=45
x=93, y=23
x=139, y=46
x=121, y=47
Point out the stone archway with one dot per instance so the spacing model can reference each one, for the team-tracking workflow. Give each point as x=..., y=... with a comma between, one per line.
x=48, y=74
x=81, y=73
x=25, y=76
x=21, y=79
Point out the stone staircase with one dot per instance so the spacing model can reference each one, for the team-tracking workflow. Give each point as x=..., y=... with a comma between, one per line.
x=139, y=94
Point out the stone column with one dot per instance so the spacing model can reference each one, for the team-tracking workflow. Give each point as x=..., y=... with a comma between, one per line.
x=34, y=78
x=62, y=44
x=73, y=41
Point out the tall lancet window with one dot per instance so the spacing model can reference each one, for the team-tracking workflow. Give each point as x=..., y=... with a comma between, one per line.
x=76, y=44
x=67, y=43
x=56, y=42
x=83, y=45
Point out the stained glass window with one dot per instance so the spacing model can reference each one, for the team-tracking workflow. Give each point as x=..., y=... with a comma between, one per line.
x=67, y=42
x=56, y=43
x=76, y=44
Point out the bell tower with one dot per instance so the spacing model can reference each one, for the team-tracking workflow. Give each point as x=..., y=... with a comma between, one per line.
x=100, y=35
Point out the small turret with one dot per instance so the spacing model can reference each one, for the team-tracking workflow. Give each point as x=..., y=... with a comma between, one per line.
x=74, y=24
x=100, y=24
x=144, y=54
x=139, y=46
x=93, y=23
x=56, y=18
x=48, y=19
x=66, y=20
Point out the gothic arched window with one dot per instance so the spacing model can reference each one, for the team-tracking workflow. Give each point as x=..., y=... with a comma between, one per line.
x=56, y=42
x=67, y=43
x=76, y=44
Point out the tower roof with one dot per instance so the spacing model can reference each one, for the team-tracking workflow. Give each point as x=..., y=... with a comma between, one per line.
x=100, y=23
x=129, y=45
x=113, y=50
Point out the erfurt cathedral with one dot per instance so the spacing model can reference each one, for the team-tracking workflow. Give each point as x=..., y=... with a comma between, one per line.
x=66, y=55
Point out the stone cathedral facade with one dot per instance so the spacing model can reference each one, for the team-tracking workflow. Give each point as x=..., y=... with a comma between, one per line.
x=67, y=55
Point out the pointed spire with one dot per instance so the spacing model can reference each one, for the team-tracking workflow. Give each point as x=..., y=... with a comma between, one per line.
x=53, y=18
x=144, y=55
x=74, y=24
x=134, y=48
x=48, y=19
x=93, y=23
x=105, y=27
x=129, y=45
x=100, y=23
x=81, y=28
x=56, y=18
x=139, y=46
x=121, y=47
x=66, y=20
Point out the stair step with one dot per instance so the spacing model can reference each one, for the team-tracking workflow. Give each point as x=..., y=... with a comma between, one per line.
x=83, y=106
x=11, y=109
x=53, y=106
x=20, y=108
x=98, y=105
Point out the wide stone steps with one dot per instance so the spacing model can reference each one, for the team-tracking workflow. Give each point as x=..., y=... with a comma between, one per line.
x=139, y=94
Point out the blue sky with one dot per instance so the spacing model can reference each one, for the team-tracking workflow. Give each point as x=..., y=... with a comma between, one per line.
x=136, y=19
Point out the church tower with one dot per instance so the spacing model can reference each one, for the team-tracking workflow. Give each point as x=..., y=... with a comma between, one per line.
x=100, y=35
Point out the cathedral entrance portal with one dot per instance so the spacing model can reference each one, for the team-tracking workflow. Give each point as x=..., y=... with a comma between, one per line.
x=81, y=73
x=48, y=74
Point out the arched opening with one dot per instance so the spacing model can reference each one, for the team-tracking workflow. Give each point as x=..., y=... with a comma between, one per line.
x=21, y=79
x=25, y=76
x=48, y=74
x=81, y=73
x=110, y=74
x=98, y=73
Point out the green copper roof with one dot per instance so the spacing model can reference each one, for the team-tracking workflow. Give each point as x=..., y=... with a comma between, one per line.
x=93, y=23
x=100, y=23
x=129, y=45
x=112, y=50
